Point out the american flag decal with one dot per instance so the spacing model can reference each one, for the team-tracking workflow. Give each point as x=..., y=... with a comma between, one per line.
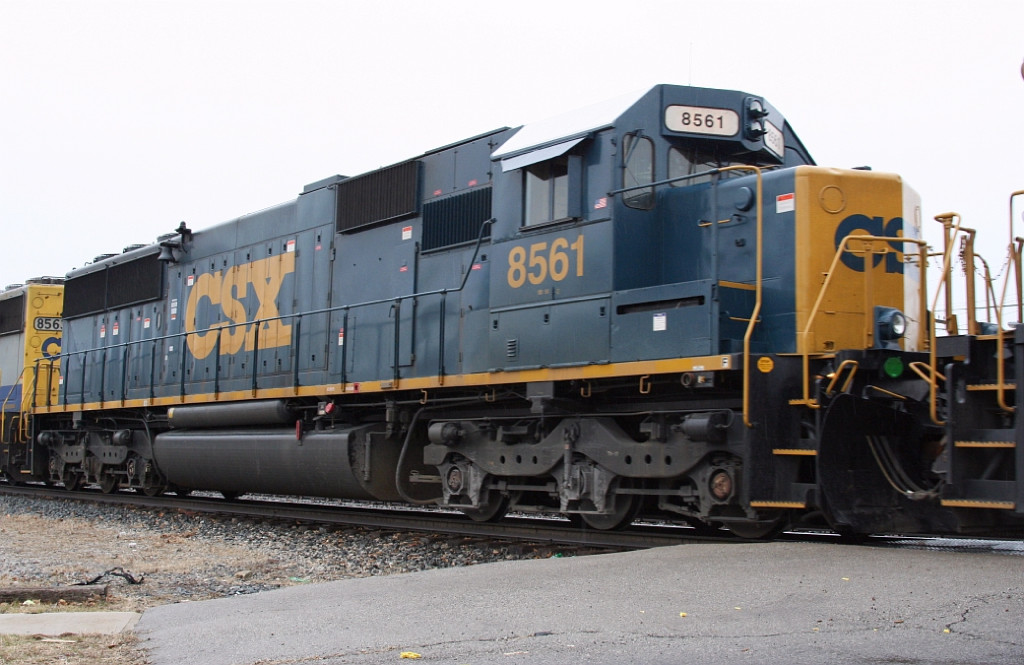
x=601, y=203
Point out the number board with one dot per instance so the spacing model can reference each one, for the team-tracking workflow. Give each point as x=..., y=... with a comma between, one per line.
x=774, y=139
x=702, y=120
x=48, y=324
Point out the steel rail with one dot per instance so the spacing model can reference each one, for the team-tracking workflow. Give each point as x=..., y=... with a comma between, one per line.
x=525, y=528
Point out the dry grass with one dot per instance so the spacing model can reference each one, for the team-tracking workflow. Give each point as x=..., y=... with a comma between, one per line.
x=75, y=550
x=70, y=650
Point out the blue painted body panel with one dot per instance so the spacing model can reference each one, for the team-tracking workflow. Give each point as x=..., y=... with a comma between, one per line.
x=376, y=302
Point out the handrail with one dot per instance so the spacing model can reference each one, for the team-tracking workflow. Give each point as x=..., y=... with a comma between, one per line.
x=759, y=261
x=755, y=315
x=184, y=335
x=849, y=364
x=946, y=219
x=804, y=335
x=21, y=408
x=1014, y=256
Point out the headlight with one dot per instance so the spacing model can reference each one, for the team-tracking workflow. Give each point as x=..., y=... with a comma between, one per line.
x=890, y=326
x=898, y=324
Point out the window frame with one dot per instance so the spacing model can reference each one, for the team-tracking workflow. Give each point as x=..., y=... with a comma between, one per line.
x=561, y=206
x=639, y=194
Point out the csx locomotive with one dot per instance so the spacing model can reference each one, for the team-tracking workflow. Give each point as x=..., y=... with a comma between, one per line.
x=656, y=306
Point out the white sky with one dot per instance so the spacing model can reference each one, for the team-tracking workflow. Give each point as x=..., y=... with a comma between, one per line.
x=121, y=119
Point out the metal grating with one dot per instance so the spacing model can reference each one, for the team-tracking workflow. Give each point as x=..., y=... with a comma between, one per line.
x=85, y=294
x=12, y=315
x=456, y=219
x=385, y=195
x=118, y=285
x=135, y=281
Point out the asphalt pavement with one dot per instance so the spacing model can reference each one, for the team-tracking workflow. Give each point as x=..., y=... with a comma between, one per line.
x=791, y=603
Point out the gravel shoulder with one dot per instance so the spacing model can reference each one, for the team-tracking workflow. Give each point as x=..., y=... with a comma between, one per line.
x=183, y=556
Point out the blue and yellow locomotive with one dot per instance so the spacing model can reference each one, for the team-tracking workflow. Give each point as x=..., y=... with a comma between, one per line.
x=659, y=305
x=30, y=341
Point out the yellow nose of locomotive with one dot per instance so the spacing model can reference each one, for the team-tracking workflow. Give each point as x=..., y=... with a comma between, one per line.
x=855, y=288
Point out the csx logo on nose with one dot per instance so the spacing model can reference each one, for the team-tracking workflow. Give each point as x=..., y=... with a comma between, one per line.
x=875, y=226
x=227, y=290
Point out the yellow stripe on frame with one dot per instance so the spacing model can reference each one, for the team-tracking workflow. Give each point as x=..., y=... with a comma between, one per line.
x=778, y=504
x=478, y=380
x=966, y=503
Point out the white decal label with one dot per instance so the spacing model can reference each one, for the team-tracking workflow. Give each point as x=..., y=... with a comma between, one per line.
x=660, y=322
x=785, y=203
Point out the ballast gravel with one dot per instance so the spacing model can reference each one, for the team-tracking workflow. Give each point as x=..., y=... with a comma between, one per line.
x=182, y=556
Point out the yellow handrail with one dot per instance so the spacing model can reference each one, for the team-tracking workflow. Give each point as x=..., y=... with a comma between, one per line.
x=758, y=285
x=805, y=352
x=1013, y=250
x=22, y=424
x=852, y=366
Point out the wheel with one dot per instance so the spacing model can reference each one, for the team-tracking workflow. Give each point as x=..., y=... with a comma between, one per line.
x=704, y=528
x=625, y=509
x=493, y=508
x=108, y=483
x=154, y=490
x=230, y=496
x=760, y=529
x=72, y=481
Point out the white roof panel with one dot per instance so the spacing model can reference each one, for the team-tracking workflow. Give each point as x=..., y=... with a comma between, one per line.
x=567, y=126
x=538, y=155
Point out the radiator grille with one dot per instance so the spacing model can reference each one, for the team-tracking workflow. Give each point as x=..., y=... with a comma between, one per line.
x=85, y=294
x=456, y=219
x=135, y=281
x=386, y=195
x=12, y=315
x=119, y=285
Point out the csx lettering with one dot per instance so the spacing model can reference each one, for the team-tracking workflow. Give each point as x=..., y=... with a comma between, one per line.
x=51, y=348
x=228, y=289
x=544, y=261
x=875, y=226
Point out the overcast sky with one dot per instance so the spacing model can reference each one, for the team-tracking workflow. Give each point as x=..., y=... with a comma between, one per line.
x=121, y=119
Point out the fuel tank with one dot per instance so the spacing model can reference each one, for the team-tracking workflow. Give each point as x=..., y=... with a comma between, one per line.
x=354, y=463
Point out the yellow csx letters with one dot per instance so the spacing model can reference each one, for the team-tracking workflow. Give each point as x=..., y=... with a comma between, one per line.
x=226, y=289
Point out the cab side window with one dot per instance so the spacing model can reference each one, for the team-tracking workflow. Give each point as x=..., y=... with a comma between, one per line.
x=547, y=191
x=553, y=190
x=637, y=171
x=689, y=161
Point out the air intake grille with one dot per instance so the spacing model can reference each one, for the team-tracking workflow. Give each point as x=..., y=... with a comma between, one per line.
x=12, y=315
x=117, y=286
x=385, y=195
x=85, y=294
x=456, y=219
x=135, y=281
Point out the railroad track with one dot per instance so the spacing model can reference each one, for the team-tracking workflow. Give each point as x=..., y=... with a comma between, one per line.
x=522, y=528
x=538, y=529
